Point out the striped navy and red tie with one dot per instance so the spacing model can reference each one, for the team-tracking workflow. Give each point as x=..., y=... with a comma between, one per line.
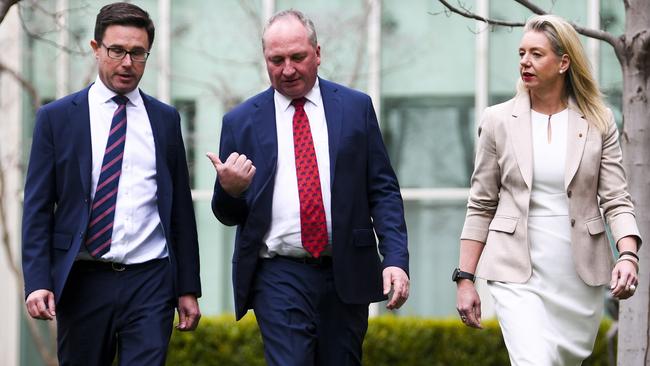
x=100, y=228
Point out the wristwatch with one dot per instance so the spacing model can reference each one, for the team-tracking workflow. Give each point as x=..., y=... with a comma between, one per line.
x=460, y=275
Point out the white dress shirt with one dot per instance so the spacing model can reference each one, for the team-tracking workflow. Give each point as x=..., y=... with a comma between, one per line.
x=137, y=231
x=283, y=237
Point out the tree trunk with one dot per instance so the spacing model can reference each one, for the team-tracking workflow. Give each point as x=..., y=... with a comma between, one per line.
x=634, y=331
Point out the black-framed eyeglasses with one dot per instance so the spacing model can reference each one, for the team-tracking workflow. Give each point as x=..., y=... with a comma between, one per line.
x=118, y=53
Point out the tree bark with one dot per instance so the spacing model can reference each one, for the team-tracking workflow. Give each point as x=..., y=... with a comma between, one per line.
x=634, y=330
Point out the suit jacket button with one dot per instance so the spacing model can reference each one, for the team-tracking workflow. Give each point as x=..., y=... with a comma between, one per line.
x=569, y=194
x=573, y=222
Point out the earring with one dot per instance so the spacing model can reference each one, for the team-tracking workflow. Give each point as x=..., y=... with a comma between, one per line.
x=561, y=71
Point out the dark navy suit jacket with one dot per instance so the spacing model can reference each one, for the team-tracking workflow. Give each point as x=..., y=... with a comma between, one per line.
x=58, y=185
x=365, y=201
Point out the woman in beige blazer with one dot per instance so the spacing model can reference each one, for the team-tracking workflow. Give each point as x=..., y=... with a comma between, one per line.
x=548, y=163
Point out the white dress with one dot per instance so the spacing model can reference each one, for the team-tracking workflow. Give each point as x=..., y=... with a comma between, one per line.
x=552, y=319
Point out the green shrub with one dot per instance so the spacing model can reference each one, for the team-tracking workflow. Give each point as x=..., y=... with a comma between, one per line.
x=218, y=341
x=394, y=341
x=436, y=342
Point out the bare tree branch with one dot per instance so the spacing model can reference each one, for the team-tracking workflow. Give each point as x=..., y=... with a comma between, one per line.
x=614, y=41
x=44, y=347
x=532, y=7
x=56, y=19
x=468, y=14
x=5, y=5
x=5, y=233
x=363, y=39
x=588, y=32
x=48, y=357
x=253, y=15
x=46, y=352
x=28, y=86
x=599, y=34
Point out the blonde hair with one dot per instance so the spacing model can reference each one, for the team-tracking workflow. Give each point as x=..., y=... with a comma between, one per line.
x=579, y=82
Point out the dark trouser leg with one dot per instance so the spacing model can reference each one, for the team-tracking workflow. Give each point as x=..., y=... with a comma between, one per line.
x=302, y=320
x=85, y=313
x=102, y=309
x=285, y=301
x=341, y=329
x=146, y=316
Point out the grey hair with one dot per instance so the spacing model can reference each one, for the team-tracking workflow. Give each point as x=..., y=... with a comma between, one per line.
x=309, y=25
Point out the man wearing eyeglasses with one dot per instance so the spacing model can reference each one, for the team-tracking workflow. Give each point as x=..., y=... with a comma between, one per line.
x=109, y=234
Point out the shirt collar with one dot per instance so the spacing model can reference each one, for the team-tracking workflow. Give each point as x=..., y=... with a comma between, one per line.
x=105, y=95
x=313, y=96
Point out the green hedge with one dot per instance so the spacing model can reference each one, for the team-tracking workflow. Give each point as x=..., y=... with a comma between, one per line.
x=394, y=341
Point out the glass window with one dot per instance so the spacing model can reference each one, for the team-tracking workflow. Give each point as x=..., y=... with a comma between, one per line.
x=187, y=110
x=431, y=145
x=430, y=140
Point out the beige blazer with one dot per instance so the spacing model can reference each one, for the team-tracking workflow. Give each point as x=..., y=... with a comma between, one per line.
x=497, y=209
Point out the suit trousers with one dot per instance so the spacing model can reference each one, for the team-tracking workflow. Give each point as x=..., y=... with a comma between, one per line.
x=103, y=310
x=302, y=319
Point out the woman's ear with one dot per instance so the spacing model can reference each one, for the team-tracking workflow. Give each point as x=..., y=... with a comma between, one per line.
x=565, y=62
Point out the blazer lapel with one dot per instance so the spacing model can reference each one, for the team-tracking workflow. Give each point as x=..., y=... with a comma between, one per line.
x=575, y=145
x=267, y=135
x=159, y=138
x=334, y=118
x=80, y=119
x=522, y=140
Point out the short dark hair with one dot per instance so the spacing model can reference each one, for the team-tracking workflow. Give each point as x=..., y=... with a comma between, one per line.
x=123, y=14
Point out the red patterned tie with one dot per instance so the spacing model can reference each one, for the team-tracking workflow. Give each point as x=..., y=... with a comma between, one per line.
x=313, y=226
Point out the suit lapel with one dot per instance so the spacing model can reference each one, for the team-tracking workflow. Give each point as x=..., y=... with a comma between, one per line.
x=522, y=140
x=159, y=138
x=80, y=119
x=576, y=139
x=267, y=135
x=160, y=134
x=334, y=119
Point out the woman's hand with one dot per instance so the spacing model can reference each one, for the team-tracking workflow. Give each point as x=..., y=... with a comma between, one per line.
x=468, y=304
x=624, y=279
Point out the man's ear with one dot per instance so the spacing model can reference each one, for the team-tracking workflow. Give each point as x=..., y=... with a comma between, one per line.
x=95, y=46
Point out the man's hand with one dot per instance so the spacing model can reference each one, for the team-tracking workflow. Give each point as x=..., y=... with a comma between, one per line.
x=188, y=313
x=396, y=278
x=40, y=305
x=235, y=174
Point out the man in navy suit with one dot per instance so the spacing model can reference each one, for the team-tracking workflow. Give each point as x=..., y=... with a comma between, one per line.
x=303, y=173
x=109, y=235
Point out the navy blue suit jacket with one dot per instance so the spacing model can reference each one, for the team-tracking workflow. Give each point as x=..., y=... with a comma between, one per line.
x=58, y=185
x=365, y=194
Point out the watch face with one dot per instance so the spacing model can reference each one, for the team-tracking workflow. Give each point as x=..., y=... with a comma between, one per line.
x=454, y=276
x=460, y=275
